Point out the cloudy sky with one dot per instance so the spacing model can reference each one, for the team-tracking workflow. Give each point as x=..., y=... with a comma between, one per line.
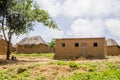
x=80, y=18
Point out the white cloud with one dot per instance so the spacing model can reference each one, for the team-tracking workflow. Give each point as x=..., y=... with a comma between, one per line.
x=52, y=6
x=76, y=8
x=48, y=34
x=81, y=8
x=87, y=28
x=16, y=39
x=113, y=25
x=91, y=8
x=92, y=18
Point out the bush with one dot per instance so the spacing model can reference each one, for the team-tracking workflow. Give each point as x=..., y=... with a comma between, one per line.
x=73, y=64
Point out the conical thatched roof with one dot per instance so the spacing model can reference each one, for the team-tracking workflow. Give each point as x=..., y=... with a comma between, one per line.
x=111, y=42
x=35, y=40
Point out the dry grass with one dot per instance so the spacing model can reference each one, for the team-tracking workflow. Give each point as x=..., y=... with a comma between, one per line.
x=50, y=72
x=49, y=69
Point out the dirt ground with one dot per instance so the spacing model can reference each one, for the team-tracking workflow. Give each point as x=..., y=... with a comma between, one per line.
x=26, y=61
x=49, y=71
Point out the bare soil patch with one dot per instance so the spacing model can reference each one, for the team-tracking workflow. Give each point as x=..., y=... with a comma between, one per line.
x=39, y=67
x=26, y=61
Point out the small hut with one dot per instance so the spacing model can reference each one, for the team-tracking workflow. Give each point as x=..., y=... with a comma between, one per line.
x=71, y=48
x=112, y=47
x=3, y=46
x=33, y=44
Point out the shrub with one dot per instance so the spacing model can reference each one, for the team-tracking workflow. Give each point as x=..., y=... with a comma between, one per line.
x=73, y=64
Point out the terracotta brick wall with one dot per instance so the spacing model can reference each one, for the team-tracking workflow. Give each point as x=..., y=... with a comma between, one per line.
x=112, y=50
x=86, y=48
x=3, y=47
x=33, y=49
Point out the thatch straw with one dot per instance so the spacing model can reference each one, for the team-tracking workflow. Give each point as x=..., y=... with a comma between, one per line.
x=111, y=42
x=35, y=40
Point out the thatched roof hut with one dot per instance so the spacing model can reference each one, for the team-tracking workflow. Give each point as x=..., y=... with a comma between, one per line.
x=33, y=44
x=35, y=40
x=112, y=47
x=111, y=42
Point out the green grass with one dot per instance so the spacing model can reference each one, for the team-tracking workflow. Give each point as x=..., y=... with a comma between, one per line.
x=92, y=71
x=105, y=75
x=19, y=72
x=44, y=55
x=11, y=74
x=89, y=66
x=88, y=70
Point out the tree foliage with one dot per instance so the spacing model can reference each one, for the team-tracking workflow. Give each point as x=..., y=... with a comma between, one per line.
x=19, y=16
x=52, y=45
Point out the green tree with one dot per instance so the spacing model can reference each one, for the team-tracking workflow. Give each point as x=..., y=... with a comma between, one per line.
x=19, y=16
x=52, y=45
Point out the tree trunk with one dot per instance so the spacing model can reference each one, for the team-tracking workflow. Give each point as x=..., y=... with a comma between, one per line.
x=7, y=41
x=8, y=51
x=9, y=46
